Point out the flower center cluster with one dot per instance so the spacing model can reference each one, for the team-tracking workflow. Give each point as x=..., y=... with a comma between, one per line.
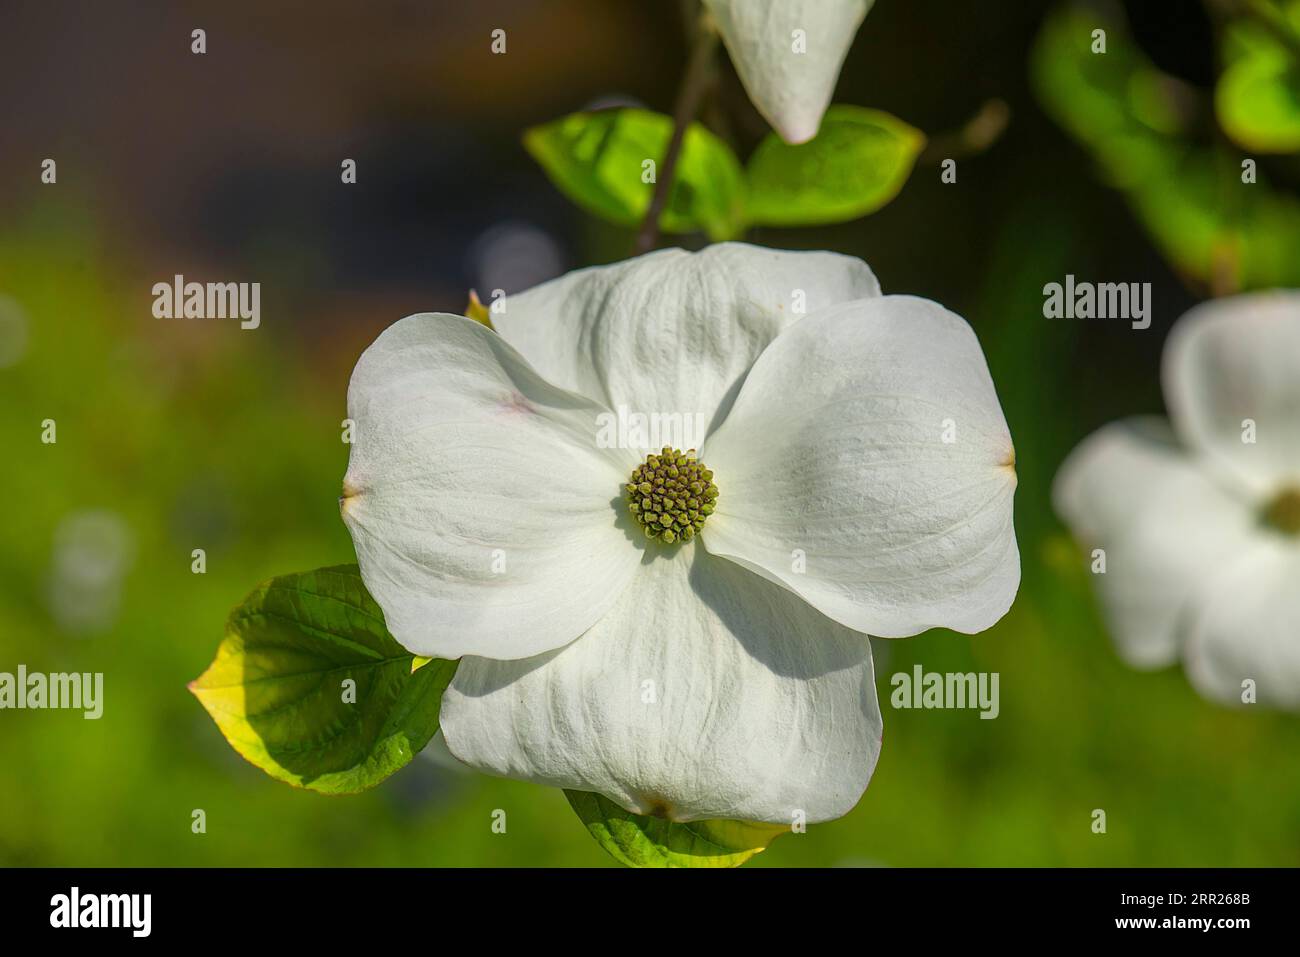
x=1283, y=513
x=671, y=494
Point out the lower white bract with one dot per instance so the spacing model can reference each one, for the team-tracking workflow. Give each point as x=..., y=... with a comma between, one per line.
x=865, y=477
x=1200, y=523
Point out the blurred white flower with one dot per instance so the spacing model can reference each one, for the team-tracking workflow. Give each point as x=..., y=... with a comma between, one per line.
x=788, y=54
x=619, y=633
x=93, y=551
x=1200, y=523
x=513, y=256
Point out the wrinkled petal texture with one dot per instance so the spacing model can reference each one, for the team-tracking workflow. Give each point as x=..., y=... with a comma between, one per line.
x=705, y=692
x=1235, y=359
x=673, y=332
x=485, y=519
x=867, y=467
x=1167, y=528
x=791, y=89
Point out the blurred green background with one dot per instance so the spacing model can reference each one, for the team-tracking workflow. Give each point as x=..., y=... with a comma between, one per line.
x=181, y=435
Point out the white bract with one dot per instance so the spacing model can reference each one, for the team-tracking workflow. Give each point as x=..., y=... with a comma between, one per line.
x=788, y=54
x=725, y=673
x=1200, y=523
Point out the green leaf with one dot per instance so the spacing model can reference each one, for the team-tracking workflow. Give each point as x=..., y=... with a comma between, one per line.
x=1257, y=98
x=1209, y=224
x=597, y=160
x=857, y=163
x=1138, y=124
x=640, y=841
x=1116, y=103
x=277, y=691
x=1258, y=104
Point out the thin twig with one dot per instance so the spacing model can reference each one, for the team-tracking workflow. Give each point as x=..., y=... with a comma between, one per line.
x=699, y=74
x=975, y=136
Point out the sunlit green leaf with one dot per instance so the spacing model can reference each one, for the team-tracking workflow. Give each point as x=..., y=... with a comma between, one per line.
x=1259, y=106
x=1115, y=102
x=1211, y=225
x=1257, y=98
x=309, y=685
x=640, y=841
x=857, y=163
x=600, y=161
x=1137, y=123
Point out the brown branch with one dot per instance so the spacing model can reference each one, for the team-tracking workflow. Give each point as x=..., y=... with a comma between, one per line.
x=698, y=77
x=975, y=136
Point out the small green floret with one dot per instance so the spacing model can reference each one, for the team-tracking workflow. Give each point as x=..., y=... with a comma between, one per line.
x=671, y=495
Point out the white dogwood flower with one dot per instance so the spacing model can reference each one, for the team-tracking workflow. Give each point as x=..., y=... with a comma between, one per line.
x=1200, y=523
x=788, y=54
x=684, y=632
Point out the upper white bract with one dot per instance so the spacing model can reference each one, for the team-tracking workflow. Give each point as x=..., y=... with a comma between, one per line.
x=791, y=89
x=730, y=676
x=1191, y=570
